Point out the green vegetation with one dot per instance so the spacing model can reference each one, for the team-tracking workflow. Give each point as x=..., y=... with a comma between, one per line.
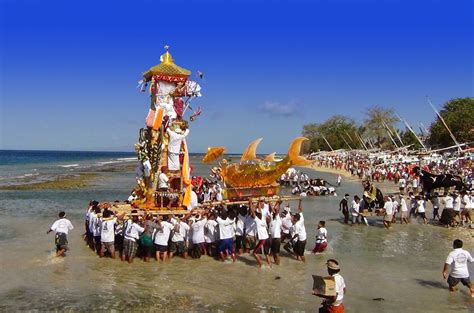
x=379, y=125
x=459, y=115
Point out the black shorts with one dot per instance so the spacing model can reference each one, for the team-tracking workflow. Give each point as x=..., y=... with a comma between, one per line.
x=239, y=242
x=452, y=281
x=177, y=247
x=423, y=215
x=61, y=241
x=160, y=248
x=275, y=245
x=147, y=251
x=299, y=247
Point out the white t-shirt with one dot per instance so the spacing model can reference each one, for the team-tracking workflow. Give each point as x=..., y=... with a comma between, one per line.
x=63, y=225
x=163, y=181
x=421, y=206
x=402, y=183
x=340, y=285
x=403, y=205
x=265, y=210
x=322, y=235
x=194, y=201
x=355, y=208
x=210, y=231
x=198, y=231
x=240, y=225
x=95, y=226
x=226, y=228
x=133, y=231
x=300, y=230
x=250, y=226
x=457, y=204
x=92, y=217
x=448, y=202
x=175, y=141
x=388, y=206
x=466, y=202
x=286, y=224
x=396, y=206
x=181, y=231
x=458, y=259
x=275, y=227
x=163, y=235
x=262, y=232
x=107, y=230
x=414, y=183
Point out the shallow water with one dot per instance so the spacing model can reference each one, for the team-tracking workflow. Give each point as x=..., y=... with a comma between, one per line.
x=402, y=265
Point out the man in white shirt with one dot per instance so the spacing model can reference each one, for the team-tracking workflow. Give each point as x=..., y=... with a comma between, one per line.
x=457, y=203
x=300, y=234
x=161, y=237
x=132, y=234
x=421, y=208
x=414, y=184
x=176, y=137
x=226, y=235
x=178, y=238
x=458, y=259
x=321, y=238
x=355, y=205
x=107, y=234
x=250, y=233
x=210, y=235
x=194, y=200
x=466, y=207
x=240, y=229
x=275, y=232
x=262, y=233
x=163, y=180
x=402, y=183
x=333, y=304
x=198, y=240
x=61, y=228
x=388, y=207
x=448, y=201
x=403, y=210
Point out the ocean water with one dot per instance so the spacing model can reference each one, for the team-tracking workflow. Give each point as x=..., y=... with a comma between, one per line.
x=402, y=265
x=19, y=167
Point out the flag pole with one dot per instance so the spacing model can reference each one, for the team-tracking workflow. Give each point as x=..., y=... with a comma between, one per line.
x=390, y=134
x=327, y=142
x=411, y=130
x=444, y=123
x=346, y=142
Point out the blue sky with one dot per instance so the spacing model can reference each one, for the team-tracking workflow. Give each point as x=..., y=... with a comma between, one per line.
x=69, y=69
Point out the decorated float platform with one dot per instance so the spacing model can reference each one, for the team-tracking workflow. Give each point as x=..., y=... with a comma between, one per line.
x=165, y=184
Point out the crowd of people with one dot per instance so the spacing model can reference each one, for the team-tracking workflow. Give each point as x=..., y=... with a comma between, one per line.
x=413, y=205
x=224, y=232
x=395, y=166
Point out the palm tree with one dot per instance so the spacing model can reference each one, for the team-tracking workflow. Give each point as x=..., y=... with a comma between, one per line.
x=374, y=124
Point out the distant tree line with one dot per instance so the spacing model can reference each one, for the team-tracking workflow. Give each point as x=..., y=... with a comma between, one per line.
x=378, y=129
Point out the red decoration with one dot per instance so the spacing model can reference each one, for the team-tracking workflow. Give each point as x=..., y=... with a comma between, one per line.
x=178, y=104
x=171, y=78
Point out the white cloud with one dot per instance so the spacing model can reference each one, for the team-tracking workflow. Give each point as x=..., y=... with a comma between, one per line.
x=275, y=108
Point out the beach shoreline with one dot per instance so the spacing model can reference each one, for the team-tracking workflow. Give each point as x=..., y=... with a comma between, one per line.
x=386, y=186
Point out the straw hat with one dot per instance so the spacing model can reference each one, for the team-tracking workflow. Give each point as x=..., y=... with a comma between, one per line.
x=333, y=264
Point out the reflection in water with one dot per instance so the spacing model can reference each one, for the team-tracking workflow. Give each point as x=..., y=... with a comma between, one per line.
x=401, y=265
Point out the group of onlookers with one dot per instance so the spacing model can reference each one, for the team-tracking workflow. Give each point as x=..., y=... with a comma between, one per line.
x=414, y=205
x=395, y=166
